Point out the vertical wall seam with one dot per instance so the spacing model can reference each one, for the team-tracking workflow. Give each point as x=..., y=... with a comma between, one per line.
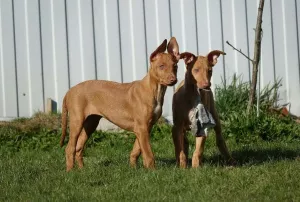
x=120, y=44
x=2, y=67
x=67, y=43
x=222, y=38
x=297, y=30
x=273, y=45
x=41, y=55
x=94, y=39
x=248, y=40
x=15, y=57
x=171, y=32
x=145, y=34
x=196, y=27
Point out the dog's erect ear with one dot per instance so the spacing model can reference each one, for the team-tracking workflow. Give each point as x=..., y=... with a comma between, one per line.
x=160, y=49
x=187, y=57
x=173, y=48
x=212, y=57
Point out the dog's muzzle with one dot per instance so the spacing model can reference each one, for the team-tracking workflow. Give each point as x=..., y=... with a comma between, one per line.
x=172, y=82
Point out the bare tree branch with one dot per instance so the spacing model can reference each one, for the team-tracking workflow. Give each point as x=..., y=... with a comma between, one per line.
x=240, y=51
x=256, y=59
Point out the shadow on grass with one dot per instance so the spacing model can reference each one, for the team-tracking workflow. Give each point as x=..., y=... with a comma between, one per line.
x=255, y=156
x=243, y=157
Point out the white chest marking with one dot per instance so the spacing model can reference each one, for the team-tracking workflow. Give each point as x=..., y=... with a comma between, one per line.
x=157, y=110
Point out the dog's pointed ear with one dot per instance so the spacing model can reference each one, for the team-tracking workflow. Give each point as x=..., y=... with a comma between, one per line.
x=160, y=49
x=173, y=48
x=187, y=57
x=212, y=57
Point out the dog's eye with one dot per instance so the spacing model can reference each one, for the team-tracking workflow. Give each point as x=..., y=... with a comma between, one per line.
x=175, y=66
x=210, y=71
x=161, y=66
x=196, y=70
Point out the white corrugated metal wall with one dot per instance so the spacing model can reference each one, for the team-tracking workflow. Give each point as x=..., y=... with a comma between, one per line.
x=48, y=46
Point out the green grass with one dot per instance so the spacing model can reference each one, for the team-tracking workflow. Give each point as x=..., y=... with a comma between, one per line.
x=267, y=171
x=267, y=149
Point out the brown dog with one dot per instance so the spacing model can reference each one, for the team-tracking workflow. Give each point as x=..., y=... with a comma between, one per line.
x=132, y=106
x=198, y=75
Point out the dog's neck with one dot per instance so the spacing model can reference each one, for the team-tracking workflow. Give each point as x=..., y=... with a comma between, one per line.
x=190, y=87
x=156, y=88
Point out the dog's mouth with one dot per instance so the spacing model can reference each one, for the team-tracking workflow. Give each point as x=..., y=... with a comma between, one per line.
x=171, y=83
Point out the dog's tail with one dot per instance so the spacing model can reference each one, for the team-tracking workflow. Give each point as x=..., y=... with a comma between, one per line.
x=64, y=116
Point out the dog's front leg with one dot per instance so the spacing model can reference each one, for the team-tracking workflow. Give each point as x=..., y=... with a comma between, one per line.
x=143, y=137
x=198, y=153
x=135, y=153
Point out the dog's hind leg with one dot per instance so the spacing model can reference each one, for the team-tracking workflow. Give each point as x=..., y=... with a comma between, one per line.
x=179, y=143
x=198, y=153
x=135, y=153
x=222, y=145
x=75, y=129
x=89, y=126
x=186, y=145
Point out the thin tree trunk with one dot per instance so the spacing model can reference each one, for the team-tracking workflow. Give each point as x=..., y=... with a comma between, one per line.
x=256, y=59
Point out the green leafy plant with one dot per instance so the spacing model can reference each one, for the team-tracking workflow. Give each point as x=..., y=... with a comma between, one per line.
x=231, y=103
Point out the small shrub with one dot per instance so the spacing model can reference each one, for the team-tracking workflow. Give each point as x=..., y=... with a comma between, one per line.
x=231, y=103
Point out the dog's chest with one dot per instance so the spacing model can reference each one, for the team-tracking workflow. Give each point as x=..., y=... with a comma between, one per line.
x=157, y=111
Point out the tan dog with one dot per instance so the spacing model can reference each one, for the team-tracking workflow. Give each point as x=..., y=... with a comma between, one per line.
x=198, y=75
x=132, y=106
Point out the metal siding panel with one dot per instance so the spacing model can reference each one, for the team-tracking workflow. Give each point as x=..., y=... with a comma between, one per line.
x=291, y=56
x=189, y=26
x=251, y=22
x=228, y=34
x=54, y=42
x=129, y=72
x=151, y=28
x=81, y=41
x=138, y=39
x=267, y=75
x=8, y=101
x=164, y=32
x=241, y=39
x=202, y=25
x=21, y=58
x=111, y=39
x=216, y=40
x=177, y=25
x=102, y=55
x=60, y=51
x=279, y=47
x=29, y=71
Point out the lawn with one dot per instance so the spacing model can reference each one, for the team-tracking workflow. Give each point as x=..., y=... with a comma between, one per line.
x=33, y=169
x=267, y=149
